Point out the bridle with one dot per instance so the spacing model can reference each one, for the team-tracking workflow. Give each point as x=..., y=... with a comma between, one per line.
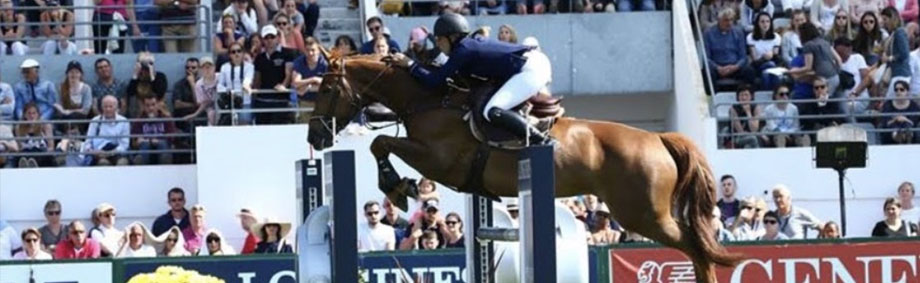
x=327, y=118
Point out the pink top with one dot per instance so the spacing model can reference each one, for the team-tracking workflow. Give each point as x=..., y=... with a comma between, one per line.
x=108, y=11
x=910, y=12
x=65, y=250
x=193, y=240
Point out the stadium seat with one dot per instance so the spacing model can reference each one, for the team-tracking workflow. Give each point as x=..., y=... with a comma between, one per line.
x=763, y=95
x=872, y=138
x=721, y=103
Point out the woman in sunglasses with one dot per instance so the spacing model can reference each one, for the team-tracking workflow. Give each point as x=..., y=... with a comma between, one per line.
x=771, y=228
x=31, y=248
x=235, y=77
x=216, y=245
x=290, y=38
x=454, y=224
x=55, y=231
x=896, y=116
x=171, y=243
x=749, y=224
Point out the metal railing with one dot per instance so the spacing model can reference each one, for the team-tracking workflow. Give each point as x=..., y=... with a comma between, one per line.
x=233, y=111
x=202, y=15
x=85, y=138
x=843, y=118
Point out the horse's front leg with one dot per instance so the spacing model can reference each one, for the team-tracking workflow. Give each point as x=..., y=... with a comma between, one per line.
x=390, y=183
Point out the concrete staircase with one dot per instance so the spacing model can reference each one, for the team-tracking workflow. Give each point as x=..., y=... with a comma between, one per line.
x=337, y=19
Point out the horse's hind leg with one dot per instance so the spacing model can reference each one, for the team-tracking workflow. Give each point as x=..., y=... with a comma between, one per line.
x=668, y=233
x=413, y=153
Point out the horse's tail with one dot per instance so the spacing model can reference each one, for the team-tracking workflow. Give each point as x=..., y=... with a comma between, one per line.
x=695, y=199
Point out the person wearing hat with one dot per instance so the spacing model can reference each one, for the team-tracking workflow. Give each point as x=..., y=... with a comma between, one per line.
x=430, y=221
x=108, y=236
x=33, y=89
x=418, y=46
x=511, y=204
x=274, y=68
x=522, y=70
x=31, y=246
x=14, y=28
x=601, y=231
x=247, y=220
x=376, y=28
x=76, y=98
x=270, y=234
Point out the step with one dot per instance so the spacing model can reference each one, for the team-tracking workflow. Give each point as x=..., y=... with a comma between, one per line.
x=338, y=12
x=339, y=24
x=333, y=3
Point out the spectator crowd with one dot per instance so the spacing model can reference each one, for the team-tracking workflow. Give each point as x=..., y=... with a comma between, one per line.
x=827, y=63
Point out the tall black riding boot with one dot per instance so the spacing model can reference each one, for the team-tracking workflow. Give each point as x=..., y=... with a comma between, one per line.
x=516, y=124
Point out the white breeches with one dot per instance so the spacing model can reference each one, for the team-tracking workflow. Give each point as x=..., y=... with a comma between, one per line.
x=535, y=75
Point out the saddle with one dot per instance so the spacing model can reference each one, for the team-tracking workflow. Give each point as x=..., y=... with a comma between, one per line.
x=540, y=110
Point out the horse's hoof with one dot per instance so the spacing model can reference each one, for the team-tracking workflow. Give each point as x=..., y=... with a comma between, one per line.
x=399, y=200
x=411, y=187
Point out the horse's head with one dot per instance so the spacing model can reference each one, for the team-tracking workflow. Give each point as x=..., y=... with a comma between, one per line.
x=338, y=101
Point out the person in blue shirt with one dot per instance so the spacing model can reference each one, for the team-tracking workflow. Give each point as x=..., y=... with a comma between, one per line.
x=33, y=89
x=376, y=28
x=524, y=70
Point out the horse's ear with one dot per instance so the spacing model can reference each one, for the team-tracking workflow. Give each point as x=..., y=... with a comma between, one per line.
x=325, y=52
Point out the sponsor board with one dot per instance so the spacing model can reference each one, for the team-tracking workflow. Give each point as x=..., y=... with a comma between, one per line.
x=237, y=269
x=444, y=266
x=62, y=272
x=869, y=262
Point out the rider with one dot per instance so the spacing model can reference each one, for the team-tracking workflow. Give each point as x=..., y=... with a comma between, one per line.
x=523, y=69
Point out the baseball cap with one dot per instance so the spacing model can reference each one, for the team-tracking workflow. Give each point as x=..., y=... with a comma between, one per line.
x=29, y=63
x=206, y=59
x=74, y=65
x=431, y=204
x=269, y=30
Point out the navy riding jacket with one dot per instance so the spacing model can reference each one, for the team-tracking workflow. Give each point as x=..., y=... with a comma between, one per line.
x=482, y=57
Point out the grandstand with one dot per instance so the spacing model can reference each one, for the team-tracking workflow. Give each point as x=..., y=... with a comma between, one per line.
x=209, y=111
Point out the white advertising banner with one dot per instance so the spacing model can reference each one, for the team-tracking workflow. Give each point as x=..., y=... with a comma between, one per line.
x=77, y=272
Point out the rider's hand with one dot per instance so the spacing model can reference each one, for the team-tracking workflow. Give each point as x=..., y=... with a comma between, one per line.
x=398, y=59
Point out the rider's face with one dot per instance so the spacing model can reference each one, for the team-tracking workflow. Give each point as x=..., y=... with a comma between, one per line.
x=444, y=44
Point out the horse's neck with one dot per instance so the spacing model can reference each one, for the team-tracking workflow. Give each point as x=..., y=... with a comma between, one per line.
x=395, y=90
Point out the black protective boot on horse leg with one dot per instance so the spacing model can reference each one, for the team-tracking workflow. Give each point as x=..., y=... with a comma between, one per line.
x=395, y=188
x=514, y=123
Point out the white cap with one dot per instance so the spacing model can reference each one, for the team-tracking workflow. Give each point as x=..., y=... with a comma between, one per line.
x=29, y=63
x=531, y=42
x=206, y=59
x=269, y=29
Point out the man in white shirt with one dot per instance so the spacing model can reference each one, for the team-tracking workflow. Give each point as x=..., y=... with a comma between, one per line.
x=107, y=235
x=107, y=139
x=854, y=64
x=9, y=240
x=375, y=236
x=909, y=211
x=793, y=220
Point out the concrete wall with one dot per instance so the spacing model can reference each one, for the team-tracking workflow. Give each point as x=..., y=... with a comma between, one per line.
x=688, y=105
x=592, y=54
x=53, y=67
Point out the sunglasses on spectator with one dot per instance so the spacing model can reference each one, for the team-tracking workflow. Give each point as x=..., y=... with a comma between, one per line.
x=213, y=240
x=77, y=232
x=782, y=93
x=374, y=28
x=372, y=213
x=109, y=215
x=53, y=212
x=900, y=89
x=283, y=24
x=820, y=86
x=771, y=221
x=451, y=222
x=270, y=36
x=236, y=51
x=171, y=239
x=30, y=240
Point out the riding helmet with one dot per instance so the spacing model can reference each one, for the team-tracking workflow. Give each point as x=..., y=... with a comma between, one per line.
x=449, y=24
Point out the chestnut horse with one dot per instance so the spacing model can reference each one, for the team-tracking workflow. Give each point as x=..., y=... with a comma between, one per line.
x=658, y=185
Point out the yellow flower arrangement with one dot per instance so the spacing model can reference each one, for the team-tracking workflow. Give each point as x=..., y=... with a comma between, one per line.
x=173, y=274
